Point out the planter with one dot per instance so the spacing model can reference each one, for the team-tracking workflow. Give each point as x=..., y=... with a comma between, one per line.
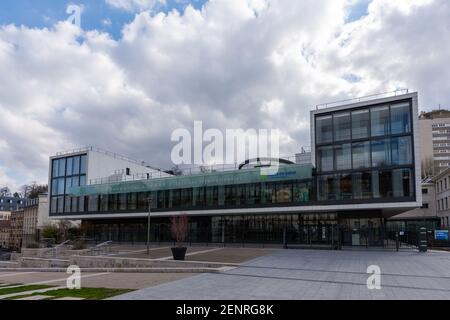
x=179, y=253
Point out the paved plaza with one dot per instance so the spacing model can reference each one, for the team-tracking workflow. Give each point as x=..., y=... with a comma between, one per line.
x=304, y=274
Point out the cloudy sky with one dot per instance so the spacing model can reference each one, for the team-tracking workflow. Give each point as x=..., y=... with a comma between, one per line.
x=138, y=69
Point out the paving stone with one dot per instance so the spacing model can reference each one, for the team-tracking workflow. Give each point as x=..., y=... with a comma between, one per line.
x=308, y=274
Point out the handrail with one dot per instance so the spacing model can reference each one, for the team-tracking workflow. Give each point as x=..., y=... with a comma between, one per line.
x=101, y=245
x=302, y=157
x=363, y=98
x=108, y=153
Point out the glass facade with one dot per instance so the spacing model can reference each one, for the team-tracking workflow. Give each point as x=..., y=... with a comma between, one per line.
x=363, y=155
x=67, y=173
x=369, y=155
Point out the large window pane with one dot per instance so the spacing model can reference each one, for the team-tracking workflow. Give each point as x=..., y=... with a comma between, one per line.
x=343, y=154
x=55, y=167
x=326, y=188
x=360, y=124
x=76, y=165
x=60, y=185
x=325, y=159
x=382, y=184
x=400, y=118
x=401, y=151
x=403, y=183
x=93, y=203
x=324, y=129
x=82, y=180
x=69, y=167
x=380, y=121
x=361, y=155
x=362, y=185
x=342, y=126
x=344, y=187
x=61, y=167
x=381, y=153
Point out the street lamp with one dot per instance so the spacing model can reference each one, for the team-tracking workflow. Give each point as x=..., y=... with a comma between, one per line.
x=150, y=201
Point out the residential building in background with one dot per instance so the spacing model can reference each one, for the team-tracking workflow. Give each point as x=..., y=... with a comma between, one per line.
x=15, y=238
x=426, y=215
x=11, y=203
x=442, y=182
x=435, y=136
x=364, y=169
x=35, y=218
x=5, y=231
x=5, y=215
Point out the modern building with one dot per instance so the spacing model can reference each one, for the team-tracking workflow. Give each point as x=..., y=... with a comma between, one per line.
x=16, y=231
x=435, y=135
x=35, y=218
x=11, y=203
x=364, y=169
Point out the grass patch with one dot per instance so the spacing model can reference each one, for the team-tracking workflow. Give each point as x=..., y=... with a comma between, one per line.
x=85, y=293
x=23, y=289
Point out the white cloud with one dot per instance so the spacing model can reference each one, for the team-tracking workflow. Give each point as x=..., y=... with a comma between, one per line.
x=136, y=5
x=229, y=64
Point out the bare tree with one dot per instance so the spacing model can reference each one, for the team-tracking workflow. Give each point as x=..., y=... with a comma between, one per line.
x=33, y=190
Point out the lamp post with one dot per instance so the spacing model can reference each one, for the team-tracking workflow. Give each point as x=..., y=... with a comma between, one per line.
x=150, y=201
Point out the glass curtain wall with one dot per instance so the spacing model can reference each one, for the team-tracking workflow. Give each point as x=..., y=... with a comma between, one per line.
x=369, y=149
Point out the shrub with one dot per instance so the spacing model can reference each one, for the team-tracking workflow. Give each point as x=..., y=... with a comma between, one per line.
x=50, y=232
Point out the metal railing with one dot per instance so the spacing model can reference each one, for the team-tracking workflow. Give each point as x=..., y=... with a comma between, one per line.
x=363, y=98
x=300, y=158
x=108, y=153
x=102, y=248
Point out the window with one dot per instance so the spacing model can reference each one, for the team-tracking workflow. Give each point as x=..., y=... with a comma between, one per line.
x=381, y=153
x=382, y=184
x=76, y=165
x=425, y=206
x=344, y=185
x=343, y=154
x=362, y=185
x=402, y=183
x=325, y=159
x=360, y=124
x=380, y=121
x=324, y=129
x=401, y=151
x=400, y=118
x=327, y=188
x=69, y=167
x=342, y=126
x=424, y=191
x=361, y=155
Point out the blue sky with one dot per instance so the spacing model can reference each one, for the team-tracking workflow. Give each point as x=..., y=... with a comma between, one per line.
x=44, y=13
